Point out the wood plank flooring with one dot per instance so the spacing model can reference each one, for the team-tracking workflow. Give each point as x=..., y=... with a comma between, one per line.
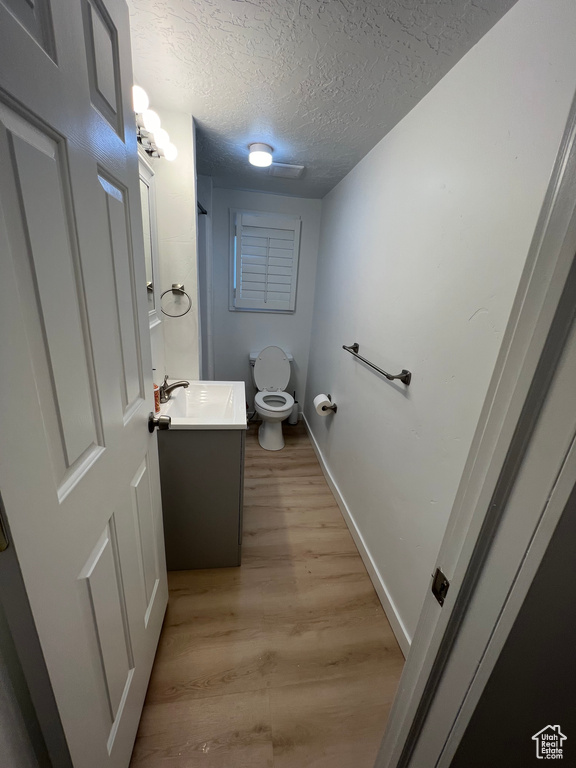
x=285, y=662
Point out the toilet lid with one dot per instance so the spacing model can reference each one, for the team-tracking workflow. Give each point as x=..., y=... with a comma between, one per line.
x=272, y=370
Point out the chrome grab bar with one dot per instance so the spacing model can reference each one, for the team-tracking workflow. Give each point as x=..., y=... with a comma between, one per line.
x=405, y=377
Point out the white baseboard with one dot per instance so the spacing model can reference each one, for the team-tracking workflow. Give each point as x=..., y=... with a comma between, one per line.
x=398, y=627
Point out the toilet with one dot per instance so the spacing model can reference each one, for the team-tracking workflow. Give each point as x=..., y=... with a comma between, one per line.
x=271, y=374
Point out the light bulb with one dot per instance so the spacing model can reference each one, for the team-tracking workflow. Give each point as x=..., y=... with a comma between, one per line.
x=170, y=151
x=161, y=138
x=140, y=100
x=151, y=120
x=260, y=155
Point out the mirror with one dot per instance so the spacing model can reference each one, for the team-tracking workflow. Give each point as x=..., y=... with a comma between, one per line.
x=148, y=206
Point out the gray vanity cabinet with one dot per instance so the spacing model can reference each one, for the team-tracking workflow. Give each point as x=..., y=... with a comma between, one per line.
x=202, y=478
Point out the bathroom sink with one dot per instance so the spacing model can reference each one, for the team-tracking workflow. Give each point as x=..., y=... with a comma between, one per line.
x=207, y=405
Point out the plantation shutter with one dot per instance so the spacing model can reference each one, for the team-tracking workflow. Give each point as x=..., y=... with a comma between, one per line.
x=266, y=262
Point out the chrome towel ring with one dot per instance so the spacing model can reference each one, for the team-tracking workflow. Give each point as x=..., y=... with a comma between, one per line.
x=177, y=289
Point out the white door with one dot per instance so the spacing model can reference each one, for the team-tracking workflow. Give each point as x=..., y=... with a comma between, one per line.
x=78, y=468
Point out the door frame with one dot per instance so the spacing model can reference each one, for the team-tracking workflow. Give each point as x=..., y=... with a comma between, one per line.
x=541, y=317
x=146, y=174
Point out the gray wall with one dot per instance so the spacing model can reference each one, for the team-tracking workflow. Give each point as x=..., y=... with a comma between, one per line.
x=205, y=277
x=31, y=734
x=534, y=681
x=422, y=248
x=16, y=711
x=236, y=334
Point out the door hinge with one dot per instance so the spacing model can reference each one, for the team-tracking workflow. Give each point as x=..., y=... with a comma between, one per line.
x=440, y=586
x=3, y=537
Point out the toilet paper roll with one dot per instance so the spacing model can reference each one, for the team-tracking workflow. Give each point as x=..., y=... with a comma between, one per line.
x=320, y=402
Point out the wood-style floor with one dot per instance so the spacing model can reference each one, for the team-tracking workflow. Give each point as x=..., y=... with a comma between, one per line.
x=285, y=662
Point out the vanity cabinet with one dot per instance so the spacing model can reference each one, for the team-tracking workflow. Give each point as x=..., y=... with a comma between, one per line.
x=202, y=478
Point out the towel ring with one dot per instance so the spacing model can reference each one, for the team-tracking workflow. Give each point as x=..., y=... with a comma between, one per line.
x=177, y=288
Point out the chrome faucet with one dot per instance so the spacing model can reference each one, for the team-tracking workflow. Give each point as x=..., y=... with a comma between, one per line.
x=166, y=389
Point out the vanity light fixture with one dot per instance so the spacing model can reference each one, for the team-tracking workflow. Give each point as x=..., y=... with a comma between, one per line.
x=161, y=138
x=153, y=139
x=151, y=120
x=260, y=155
x=140, y=100
x=170, y=152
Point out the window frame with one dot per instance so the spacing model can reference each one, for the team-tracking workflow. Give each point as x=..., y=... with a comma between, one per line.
x=295, y=223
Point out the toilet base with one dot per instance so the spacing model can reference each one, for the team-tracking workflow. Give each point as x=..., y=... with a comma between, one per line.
x=270, y=436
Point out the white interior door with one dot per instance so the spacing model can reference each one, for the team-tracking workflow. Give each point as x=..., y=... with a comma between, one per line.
x=78, y=468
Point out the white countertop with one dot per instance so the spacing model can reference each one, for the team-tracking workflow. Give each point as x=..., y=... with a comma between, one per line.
x=207, y=405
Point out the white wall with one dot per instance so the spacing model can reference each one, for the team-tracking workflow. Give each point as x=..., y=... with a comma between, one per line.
x=176, y=218
x=237, y=333
x=422, y=247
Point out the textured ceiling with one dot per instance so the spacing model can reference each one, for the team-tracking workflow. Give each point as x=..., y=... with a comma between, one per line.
x=321, y=81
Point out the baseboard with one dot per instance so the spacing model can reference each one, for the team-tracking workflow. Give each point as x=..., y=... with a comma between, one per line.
x=387, y=604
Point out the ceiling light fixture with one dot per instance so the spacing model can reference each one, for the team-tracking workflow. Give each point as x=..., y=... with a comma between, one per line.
x=260, y=155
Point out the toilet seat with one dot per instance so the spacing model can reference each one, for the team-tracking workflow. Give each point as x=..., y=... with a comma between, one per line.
x=272, y=370
x=286, y=401
x=271, y=376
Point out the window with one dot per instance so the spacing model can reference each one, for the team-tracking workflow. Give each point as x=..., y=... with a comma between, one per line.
x=264, y=261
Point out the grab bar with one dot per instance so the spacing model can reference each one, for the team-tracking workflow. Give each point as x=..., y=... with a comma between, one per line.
x=405, y=377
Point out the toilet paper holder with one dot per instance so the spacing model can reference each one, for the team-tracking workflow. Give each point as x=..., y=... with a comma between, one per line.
x=332, y=407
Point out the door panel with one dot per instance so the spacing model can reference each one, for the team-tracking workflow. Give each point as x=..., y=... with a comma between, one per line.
x=102, y=59
x=51, y=289
x=54, y=269
x=144, y=523
x=78, y=468
x=36, y=17
x=102, y=575
x=125, y=294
